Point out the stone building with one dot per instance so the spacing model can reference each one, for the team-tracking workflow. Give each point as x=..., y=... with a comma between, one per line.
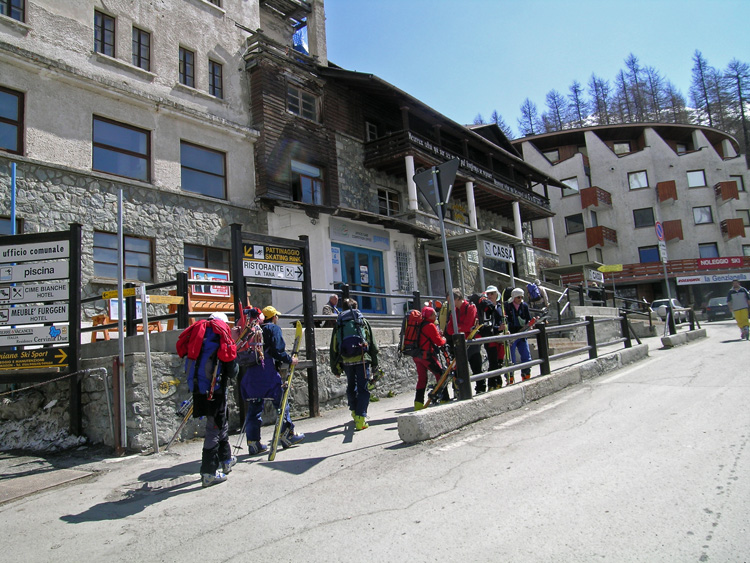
x=625, y=178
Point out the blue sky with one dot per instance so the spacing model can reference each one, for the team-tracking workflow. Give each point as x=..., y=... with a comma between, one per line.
x=464, y=57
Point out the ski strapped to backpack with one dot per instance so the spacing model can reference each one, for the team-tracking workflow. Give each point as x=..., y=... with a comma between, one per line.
x=411, y=330
x=351, y=333
x=285, y=396
x=449, y=374
x=250, y=343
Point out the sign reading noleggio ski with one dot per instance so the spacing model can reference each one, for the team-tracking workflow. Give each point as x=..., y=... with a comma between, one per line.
x=52, y=270
x=34, y=335
x=34, y=251
x=34, y=293
x=34, y=314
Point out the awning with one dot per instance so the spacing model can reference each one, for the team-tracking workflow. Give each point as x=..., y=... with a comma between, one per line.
x=471, y=241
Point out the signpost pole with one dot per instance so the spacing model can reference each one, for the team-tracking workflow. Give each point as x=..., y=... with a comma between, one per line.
x=149, y=372
x=121, y=402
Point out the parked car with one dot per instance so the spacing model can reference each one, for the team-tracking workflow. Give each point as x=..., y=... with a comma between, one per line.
x=679, y=316
x=717, y=308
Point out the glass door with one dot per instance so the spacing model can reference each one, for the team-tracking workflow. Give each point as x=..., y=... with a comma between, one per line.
x=362, y=269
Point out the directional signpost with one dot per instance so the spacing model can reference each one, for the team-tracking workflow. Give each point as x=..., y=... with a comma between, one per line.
x=264, y=261
x=663, y=256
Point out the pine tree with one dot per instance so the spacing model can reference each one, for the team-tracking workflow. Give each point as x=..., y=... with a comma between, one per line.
x=528, y=123
x=700, y=89
x=737, y=83
x=556, y=116
x=577, y=106
x=600, y=99
x=498, y=120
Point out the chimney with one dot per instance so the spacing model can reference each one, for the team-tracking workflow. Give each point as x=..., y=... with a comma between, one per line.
x=316, y=32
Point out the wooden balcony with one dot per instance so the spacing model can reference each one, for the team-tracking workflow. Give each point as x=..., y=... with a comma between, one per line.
x=726, y=191
x=732, y=228
x=673, y=230
x=595, y=196
x=667, y=191
x=601, y=236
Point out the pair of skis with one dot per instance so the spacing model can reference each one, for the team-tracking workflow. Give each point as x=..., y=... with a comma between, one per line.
x=448, y=374
x=285, y=397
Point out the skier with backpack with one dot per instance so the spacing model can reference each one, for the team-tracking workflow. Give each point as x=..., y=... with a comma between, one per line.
x=492, y=326
x=261, y=380
x=466, y=318
x=518, y=318
x=354, y=351
x=210, y=353
x=422, y=341
x=537, y=295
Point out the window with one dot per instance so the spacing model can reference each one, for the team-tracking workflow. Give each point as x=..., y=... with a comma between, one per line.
x=696, y=179
x=740, y=182
x=572, y=184
x=215, y=87
x=197, y=256
x=13, y=9
x=187, y=67
x=121, y=149
x=643, y=217
x=648, y=254
x=5, y=226
x=216, y=2
x=371, y=131
x=681, y=148
x=574, y=223
x=594, y=218
x=744, y=214
x=703, y=215
x=637, y=180
x=599, y=255
x=708, y=250
x=203, y=170
x=388, y=202
x=746, y=249
x=579, y=257
x=307, y=183
x=11, y=121
x=621, y=147
x=301, y=103
x=104, y=34
x=138, y=254
x=553, y=155
x=141, y=49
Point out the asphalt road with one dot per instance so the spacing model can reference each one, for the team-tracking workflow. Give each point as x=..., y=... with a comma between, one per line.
x=648, y=463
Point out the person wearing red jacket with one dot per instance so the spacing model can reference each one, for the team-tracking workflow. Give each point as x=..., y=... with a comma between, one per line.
x=466, y=318
x=429, y=341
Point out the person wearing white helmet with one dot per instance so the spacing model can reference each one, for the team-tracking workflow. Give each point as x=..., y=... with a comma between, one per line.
x=517, y=316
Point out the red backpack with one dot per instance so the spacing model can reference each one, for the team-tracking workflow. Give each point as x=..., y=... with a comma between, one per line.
x=411, y=329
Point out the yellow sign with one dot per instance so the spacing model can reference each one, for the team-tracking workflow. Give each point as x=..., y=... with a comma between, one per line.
x=128, y=292
x=610, y=268
x=264, y=253
x=168, y=299
x=34, y=359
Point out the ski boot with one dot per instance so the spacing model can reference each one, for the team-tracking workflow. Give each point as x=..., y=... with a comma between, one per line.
x=207, y=479
x=510, y=379
x=360, y=423
x=256, y=448
x=289, y=438
x=418, y=406
x=226, y=466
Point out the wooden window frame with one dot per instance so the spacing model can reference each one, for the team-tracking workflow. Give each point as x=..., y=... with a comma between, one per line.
x=99, y=145
x=102, y=33
x=216, y=79
x=141, y=43
x=127, y=254
x=187, y=68
x=204, y=170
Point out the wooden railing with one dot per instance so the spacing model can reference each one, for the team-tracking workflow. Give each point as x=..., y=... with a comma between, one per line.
x=595, y=196
x=600, y=236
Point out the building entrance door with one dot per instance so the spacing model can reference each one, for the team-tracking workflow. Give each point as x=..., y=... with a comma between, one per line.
x=362, y=269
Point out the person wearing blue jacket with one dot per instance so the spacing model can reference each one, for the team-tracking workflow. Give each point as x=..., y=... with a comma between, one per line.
x=263, y=381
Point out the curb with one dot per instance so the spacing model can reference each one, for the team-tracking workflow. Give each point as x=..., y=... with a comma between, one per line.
x=672, y=340
x=433, y=422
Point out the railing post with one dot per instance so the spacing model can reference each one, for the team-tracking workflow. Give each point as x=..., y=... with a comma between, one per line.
x=183, y=317
x=580, y=295
x=691, y=316
x=591, y=337
x=625, y=330
x=462, y=366
x=670, y=319
x=130, y=311
x=417, y=300
x=344, y=291
x=543, y=349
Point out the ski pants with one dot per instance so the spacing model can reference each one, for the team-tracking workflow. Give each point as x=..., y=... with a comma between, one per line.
x=522, y=345
x=254, y=416
x=495, y=357
x=357, y=395
x=216, y=441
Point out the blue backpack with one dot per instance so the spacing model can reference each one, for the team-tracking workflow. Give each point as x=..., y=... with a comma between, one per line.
x=533, y=290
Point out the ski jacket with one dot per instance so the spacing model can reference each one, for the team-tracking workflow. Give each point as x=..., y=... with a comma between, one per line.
x=516, y=318
x=261, y=380
x=738, y=299
x=466, y=316
x=208, y=349
x=429, y=338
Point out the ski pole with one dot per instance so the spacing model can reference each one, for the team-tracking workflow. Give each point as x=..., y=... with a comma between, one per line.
x=180, y=427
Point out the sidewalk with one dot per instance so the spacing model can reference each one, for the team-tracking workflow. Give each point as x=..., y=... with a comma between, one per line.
x=22, y=475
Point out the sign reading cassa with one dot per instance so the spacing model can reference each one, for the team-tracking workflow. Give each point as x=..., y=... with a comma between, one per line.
x=502, y=252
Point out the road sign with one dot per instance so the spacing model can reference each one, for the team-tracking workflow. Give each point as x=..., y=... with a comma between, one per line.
x=663, y=251
x=165, y=299
x=594, y=275
x=33, y=314
x=34, y=251
x=33, y=293
x=34, y=359
x=502, y=252
x=659, y=231
x=610, y=268
x=127, y=292
x=34, y=335
x=439, y=195
x=272, y=270
x=53, y=270
x=264, y=253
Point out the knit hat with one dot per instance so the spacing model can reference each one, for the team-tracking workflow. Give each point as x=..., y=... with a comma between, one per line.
x=428, y=313
x=270, y=312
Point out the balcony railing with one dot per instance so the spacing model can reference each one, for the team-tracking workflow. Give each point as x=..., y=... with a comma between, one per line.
x=595, y=196
x=673, y=230
x=600, y=236
x=732, y=228
x=667, y=191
